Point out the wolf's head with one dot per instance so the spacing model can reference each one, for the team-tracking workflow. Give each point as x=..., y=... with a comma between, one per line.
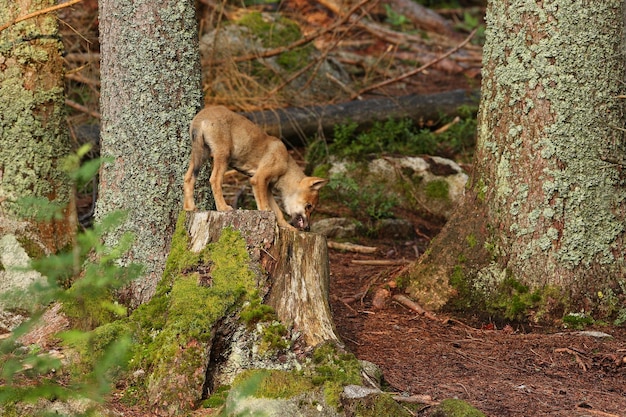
x=300, y=203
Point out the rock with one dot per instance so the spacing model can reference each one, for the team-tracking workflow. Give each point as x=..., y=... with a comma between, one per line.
x=395, y=229
x=335, y=227
x=15, y=277
x=430, y=183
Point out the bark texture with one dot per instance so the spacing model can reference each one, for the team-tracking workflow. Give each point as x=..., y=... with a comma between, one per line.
x=546, y=203
x=150, y=72
x=33, y=133
x=296, y=264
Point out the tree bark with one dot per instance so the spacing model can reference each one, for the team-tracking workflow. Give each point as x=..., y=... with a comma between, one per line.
x=545, y=206
x=33, y=136
x=150, y=72
x=295, y=124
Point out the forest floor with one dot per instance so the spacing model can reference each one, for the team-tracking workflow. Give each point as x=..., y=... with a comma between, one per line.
x=504, y=370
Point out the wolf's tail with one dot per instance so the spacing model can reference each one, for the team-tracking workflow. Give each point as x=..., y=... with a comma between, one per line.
x=200, y=152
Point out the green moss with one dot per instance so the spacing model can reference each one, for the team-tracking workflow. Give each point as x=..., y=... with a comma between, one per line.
x=255, y=312
x=283, y=384
x=272, y=32
x=217, y=398
x=88, y=311
x=380, y=405
x=471, y=240
x=333, y=370
x=456, y=408
x=437, y=189
x=187, y=310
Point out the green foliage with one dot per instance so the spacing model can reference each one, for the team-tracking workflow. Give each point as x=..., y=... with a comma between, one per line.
x=396, y=137
x=394, y=18
x=255, y=312
x=28, y=374
x=370, y=199
x=577, y=320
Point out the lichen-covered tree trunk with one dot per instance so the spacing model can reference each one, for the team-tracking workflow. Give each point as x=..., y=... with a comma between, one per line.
x=541, y=229
x=150, y=73
x=33, y=135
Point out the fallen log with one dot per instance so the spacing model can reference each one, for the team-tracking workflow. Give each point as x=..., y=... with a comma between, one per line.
x=295, y=124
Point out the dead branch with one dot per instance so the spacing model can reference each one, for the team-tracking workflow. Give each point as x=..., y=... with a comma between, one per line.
x=415, y=399
x=38, y=13
x=417, y=70
x=351, y=247
x=380, y=262
x=412, y=305
x=576, y=355
x=82, y=108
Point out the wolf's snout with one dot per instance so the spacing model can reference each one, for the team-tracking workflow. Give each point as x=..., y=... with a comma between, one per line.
x=300, y=222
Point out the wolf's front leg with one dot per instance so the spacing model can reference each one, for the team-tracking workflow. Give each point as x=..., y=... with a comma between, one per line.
x=188, y=186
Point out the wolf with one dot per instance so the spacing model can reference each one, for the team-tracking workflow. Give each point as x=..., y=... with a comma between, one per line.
x=234, y=141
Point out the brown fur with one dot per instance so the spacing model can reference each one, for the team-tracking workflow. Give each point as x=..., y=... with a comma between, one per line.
x=236, y=142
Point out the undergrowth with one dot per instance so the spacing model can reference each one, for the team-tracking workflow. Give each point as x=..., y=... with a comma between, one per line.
x=397, y=137
x=83, y=279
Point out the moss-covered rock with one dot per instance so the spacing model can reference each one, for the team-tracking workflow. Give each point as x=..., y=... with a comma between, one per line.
x=456, y=408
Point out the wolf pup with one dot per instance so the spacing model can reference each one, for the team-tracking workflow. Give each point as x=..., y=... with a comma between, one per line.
x=236, y=142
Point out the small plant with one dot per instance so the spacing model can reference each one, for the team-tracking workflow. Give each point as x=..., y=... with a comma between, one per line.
x=577, y=320
x=369, y=199
x=394, y=18
x=27, y=373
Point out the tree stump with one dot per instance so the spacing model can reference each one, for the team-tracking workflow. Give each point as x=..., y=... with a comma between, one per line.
x=296, y=273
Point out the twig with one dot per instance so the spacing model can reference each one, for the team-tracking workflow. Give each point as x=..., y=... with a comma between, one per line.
x=82, y=108
x=38, y=13
x=415, y=399
x=594, y=412
x=351, y=247
x=380, y=262
x=412, y=305
x=417, y=70
x=576, y=355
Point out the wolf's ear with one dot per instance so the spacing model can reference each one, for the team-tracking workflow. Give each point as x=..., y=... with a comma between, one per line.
x=315, y=183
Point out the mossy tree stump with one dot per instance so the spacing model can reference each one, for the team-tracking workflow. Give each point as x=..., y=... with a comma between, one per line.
x=294, y=272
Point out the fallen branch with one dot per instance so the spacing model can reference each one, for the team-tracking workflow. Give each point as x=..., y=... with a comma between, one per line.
x=415, y=399
x=380, y=262
x=417, y=70
x=576, y=355
x=351, y=247
x=412, y=305
x=38, y=13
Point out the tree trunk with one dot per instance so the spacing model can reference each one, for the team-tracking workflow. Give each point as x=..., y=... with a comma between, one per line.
x=33, y=134
x=150, y=72
x=541, y=228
